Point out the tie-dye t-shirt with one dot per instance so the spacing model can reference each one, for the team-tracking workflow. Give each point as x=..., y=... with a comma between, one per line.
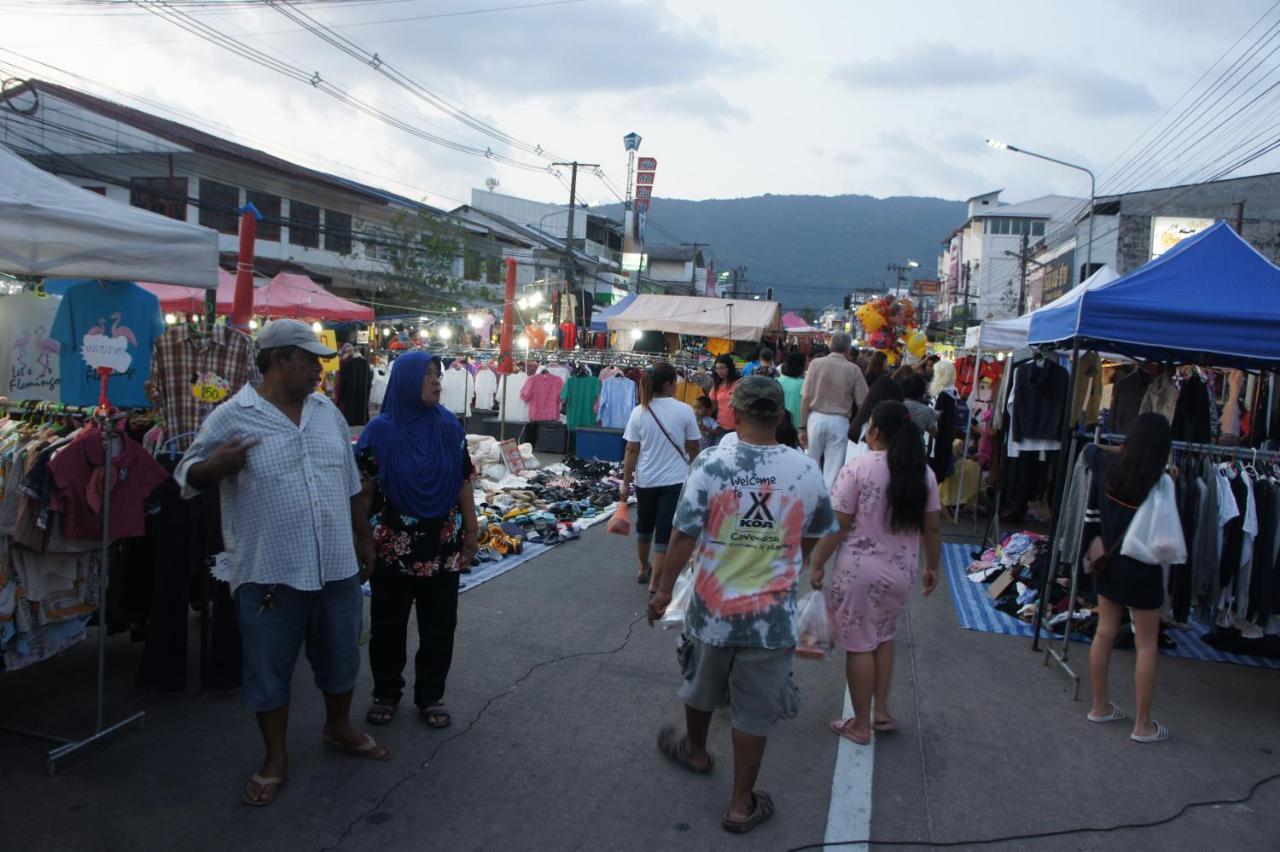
x=749, y=507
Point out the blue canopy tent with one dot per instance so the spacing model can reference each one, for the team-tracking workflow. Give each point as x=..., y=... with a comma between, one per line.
x=1211, y=299
x=599, y=320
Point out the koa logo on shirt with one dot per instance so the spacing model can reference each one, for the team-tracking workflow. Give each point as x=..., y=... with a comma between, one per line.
x=758, y=515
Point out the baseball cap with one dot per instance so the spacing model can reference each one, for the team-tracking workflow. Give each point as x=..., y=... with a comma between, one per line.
x=292, y=332
x=759, y=395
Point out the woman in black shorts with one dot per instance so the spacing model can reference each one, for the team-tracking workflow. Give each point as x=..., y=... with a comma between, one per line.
x=1121, y=481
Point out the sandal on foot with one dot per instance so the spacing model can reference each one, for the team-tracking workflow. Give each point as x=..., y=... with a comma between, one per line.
x=885, y=726
x=1161, y=734
x=840, y=728
x=762, y=809
x=381, y=712
x=643, y=577
x=437, y=712
x=368, y=748
x=675, y=748
x=1115, y=715
x=268, y=789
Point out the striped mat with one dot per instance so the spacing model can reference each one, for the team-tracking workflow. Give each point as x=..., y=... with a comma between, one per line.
x=976, y=612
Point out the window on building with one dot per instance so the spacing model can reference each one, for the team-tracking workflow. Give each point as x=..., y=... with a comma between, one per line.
x=471, y=266
x=337, y=232
x=493, y=269
x=164, y=195
x=304, y=224
x=1037, y=229
x=219, y=203
x=269, y=206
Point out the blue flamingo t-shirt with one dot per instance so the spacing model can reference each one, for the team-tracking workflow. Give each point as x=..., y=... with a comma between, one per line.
x=115, y=316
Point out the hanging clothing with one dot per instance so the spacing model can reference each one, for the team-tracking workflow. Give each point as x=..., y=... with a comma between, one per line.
x=115, y=316
x=580, y=393
x=1161, y=397
x=30, y=366
x=1040, y=397
x=486, y=388
x=510, y=405
x=687, y=392
x=457, y=386
x=1191, y=414
x=617, y=399
x=79, y=473
x=542, y=394
x=191, y=374
x=1088, y=392
x=355, y=382
x=1126, y=399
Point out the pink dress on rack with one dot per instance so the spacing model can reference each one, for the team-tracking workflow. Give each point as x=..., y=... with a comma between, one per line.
x=875, y=568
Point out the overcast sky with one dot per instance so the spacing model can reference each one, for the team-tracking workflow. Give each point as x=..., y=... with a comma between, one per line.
x=734, y=98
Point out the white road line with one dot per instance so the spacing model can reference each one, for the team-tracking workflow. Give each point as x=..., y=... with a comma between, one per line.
x=849, y=815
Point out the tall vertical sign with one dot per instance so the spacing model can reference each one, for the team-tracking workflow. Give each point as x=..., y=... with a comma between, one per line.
x=646, y=168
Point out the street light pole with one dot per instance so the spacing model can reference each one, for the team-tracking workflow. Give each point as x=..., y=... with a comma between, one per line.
x=1093, y=193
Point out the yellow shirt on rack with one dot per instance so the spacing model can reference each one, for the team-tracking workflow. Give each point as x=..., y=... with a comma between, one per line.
x=688, y=392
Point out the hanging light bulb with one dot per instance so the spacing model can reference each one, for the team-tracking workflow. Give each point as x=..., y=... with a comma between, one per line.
x=317, y=327
x=636, y=333
x=476, y=321
x=386, y=332
x=170, y=319
x=253, y=325
x=522, y=304
x=195, y=318
x=423, y=333
x=522, y=341
x=535, y=299
x=454, y=309
x=445, y=332
x=549, y=328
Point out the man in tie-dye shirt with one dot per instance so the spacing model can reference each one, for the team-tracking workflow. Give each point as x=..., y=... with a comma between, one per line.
x=753, y=512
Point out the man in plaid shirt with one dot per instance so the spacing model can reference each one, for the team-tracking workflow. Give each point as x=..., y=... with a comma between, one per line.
x=297, y=548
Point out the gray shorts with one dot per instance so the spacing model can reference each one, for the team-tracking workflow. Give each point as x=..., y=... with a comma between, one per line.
x=755, y=683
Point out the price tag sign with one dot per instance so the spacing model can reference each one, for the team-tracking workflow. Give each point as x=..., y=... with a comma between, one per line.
x=511, y=455
x=210, y=388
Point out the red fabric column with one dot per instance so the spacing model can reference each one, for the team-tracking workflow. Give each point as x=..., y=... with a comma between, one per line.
x=242, y=306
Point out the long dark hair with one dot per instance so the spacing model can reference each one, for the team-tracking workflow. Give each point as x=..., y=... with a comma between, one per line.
x=786, y=433
x=876, y=367
x=731, y=378
x=654, y=379
x=884, y=389
x=908, y=485
x=1142, y=460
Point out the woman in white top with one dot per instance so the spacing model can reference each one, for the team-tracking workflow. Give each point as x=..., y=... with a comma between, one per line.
x=662, y=440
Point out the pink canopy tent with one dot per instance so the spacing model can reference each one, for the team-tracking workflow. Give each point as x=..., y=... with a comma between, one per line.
x=286, y=295
x=792, y=323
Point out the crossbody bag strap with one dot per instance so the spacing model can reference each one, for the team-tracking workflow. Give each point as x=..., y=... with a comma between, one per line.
x=679, y=449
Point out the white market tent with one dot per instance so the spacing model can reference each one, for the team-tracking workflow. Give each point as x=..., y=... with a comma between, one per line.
x=54, y=228
x=731, y=319
x=1008, y=334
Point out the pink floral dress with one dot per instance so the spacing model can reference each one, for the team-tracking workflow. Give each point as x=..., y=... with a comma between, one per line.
x=875, y=568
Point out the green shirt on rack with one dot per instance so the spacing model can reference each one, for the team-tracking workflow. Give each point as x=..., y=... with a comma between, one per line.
x=580, y=394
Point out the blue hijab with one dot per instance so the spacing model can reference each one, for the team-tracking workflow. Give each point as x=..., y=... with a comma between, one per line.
x=419, y=447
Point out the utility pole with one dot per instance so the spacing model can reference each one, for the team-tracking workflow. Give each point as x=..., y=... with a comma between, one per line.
x=693, y=265
x=964, y=276
x=1022, y=279
x=570, y=264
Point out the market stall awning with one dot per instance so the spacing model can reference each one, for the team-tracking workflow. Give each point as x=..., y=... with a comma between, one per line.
x=1005, y=335
x=793, y=323
x=297, y=296
x=1212, y=297
x=733, y=319
x=599, y=319
x=54, y=228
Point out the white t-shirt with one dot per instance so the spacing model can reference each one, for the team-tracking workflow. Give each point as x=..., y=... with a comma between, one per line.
x=660, y=462
x=29, y=362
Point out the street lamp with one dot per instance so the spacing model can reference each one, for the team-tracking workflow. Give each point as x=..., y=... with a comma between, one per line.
x=1093, y=190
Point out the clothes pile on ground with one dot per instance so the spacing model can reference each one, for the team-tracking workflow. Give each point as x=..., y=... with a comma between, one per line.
x=1025, y=556
x=539, y=506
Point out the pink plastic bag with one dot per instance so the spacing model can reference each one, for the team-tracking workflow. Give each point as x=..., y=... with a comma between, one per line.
x=620, y=523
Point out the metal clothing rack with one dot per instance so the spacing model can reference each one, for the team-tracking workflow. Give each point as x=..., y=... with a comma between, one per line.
x=68, y=746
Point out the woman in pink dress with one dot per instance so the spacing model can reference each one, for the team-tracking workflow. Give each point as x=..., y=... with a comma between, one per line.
x=886, y=502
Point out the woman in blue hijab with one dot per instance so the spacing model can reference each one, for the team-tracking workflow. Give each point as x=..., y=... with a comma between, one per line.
x=417, y=489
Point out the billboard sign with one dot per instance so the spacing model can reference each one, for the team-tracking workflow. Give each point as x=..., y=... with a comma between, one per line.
x=1168, y=231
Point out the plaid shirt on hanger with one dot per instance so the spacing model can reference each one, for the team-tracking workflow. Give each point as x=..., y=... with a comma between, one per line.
x=191, y=375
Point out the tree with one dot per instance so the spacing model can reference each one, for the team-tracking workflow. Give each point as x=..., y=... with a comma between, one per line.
x=418, y=253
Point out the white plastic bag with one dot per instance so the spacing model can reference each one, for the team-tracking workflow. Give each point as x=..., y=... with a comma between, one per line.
x=681, y=594
x=814, y=626
x=1155, y=534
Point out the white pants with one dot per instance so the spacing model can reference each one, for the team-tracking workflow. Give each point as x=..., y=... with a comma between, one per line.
x=828, y=439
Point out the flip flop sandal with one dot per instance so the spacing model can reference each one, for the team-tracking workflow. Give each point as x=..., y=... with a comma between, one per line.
x=368, y=749
x=762, y=809
x=643, y=578
x=272, y=784
x=675, y=748
x=1115, y=715
x=886, y=727
x=1161, y=734
x=381, y=712
x=437, y=712
x=840, y=729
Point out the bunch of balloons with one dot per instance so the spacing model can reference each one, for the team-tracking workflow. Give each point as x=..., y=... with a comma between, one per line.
x=889, y=324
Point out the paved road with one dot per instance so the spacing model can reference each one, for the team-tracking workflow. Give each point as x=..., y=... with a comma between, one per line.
x=558, y=690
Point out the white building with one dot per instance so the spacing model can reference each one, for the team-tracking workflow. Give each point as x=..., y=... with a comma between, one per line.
x=981, y=267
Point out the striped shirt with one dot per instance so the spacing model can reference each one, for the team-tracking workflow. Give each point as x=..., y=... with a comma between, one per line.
x=286, y=517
